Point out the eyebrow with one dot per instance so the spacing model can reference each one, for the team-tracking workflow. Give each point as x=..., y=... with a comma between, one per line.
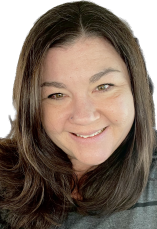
x=92, y=79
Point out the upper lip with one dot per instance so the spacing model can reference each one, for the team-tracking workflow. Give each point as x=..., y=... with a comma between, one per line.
x=89, y=133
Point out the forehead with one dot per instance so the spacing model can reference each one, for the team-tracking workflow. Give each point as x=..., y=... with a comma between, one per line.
x=84, y=55
x=82, y=47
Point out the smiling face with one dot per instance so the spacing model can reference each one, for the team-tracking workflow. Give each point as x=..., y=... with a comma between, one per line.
x=85, y=89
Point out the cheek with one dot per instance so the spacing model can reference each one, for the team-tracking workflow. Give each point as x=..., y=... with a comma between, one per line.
x=54, y=119
x=120, y=109
x=48, y=118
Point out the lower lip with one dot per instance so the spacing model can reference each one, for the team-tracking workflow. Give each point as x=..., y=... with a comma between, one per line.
x=95, y=138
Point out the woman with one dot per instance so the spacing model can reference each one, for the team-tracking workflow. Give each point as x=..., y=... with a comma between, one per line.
x=81, y=152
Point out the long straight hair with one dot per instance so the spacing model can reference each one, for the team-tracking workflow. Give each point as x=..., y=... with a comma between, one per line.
x=36, y=176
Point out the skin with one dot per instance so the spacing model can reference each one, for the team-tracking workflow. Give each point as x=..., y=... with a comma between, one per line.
x=85, y=107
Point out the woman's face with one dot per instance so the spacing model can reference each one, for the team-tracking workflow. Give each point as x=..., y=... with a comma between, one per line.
x=86, y=89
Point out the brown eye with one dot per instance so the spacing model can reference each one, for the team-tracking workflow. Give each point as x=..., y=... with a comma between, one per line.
x=55, y=96
x=104, y=87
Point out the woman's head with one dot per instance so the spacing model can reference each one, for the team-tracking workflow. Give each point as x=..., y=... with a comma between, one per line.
x=66, y=26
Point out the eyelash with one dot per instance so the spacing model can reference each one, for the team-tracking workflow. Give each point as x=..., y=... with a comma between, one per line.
x=110, y=85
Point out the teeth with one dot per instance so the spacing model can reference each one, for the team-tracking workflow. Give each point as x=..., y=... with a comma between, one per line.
x=88, y=136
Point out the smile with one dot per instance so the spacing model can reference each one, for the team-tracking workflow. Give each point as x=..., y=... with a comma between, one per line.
x=90, y=139
x=92, y=135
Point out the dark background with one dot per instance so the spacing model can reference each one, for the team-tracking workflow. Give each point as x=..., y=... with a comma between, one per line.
x=16, y=19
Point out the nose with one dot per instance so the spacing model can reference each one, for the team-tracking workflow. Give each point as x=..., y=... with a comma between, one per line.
x=84, y=112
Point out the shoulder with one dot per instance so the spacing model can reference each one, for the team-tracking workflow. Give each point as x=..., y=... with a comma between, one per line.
x=149, y=195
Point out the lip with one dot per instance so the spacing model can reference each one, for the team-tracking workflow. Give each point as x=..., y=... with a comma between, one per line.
x=89, y=140
x=89, y=133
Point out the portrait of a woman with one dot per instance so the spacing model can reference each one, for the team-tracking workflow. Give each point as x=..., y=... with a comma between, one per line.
x=82, y=150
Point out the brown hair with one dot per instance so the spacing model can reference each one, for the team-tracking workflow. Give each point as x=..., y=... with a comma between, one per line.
x=36, y=177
